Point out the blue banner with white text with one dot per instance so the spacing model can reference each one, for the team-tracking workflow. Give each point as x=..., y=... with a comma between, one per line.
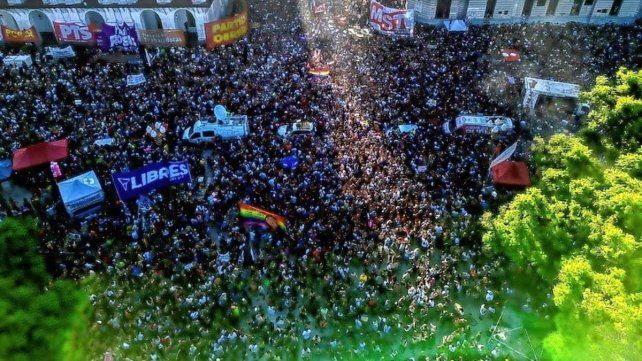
x=152, y=176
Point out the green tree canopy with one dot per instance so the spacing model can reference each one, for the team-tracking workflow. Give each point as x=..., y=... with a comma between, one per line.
x=580, y=227
x=615, y=120
x=35, y=312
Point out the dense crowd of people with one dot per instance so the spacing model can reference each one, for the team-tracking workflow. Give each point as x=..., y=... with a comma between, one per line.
x=364, y=222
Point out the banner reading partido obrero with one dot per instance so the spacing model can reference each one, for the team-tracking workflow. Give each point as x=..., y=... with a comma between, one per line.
x=152, y=176
x=162, y=37
x=20, y=36
x=226, y=31
x=389, y=21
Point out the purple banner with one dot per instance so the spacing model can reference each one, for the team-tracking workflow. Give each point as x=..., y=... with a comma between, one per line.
x=152, y=176
x=121, y=37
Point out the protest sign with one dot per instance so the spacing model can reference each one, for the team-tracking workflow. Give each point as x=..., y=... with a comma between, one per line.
x=389, y=21
x=20, y=36
x=226, y=31
x=120, y=36
x=133, y=183
x=135, y=79
x=73, y=33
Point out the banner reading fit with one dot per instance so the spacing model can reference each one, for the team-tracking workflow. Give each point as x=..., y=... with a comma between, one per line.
x=389, y=21
x=152, y=176
x=20, y=36
x=162, y=38
x=73, y=33
x=225, y=31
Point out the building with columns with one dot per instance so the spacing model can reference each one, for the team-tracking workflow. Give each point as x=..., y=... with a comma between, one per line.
x=191, y=15
x=187, y=15
x=510, y=11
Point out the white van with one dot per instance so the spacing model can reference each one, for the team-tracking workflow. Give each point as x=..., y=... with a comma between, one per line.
x=479, y=124
x=236, y=126
x=296, y=128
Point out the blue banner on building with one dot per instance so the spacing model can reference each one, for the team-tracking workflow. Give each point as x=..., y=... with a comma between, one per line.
x=152, y=176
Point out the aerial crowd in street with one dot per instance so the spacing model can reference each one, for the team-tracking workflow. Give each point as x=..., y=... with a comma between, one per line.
x=371, y=211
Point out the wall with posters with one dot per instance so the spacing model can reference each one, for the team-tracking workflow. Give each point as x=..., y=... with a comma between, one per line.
x=192, y=19
x=509, y=11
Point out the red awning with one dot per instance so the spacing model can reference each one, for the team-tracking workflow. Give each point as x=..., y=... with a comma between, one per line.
x=511, y=174
x=40, y=153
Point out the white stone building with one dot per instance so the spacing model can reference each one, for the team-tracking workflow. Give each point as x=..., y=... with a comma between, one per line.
x=507, y=11
x=187, y=15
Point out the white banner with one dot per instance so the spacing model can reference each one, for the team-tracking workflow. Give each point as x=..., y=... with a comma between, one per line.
x=59, y=53
x=505, y=155
x=135, y=79
x=397, y=22
x=224, y=257
x=61, y=2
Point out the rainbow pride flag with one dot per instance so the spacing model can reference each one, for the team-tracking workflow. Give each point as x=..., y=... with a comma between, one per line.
x=323, y=71
x=257, y=217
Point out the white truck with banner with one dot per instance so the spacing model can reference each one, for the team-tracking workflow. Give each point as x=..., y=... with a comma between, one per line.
x=234, y=126
x=534, y=88
x=479, y=124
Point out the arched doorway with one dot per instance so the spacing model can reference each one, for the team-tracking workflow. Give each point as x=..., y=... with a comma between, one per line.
x=443, y=9
x=185, y=20
x=43, y=26
x=8, y=20
x=150, y=20
x=94, y=21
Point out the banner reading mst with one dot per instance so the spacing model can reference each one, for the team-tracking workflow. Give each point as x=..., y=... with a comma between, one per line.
x=397, y=22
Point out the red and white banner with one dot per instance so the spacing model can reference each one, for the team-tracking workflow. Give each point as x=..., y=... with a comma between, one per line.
x=77, y=33
x=398, y=22
x=510, y=55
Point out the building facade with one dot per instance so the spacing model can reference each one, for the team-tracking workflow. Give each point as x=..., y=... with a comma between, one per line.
x=189, y=16
x=510, y=11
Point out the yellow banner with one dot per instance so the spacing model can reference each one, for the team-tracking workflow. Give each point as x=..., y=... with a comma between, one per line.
x=226, y=31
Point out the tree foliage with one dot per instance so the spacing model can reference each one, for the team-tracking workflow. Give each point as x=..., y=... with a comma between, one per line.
x=616, y=115
x=580, y=227
x=35, y=311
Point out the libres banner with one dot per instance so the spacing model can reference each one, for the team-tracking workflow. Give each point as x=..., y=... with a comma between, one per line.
x=397, y=22
x=152, y=176
x=226, y=31
x=162, y=38
x=119, y=36
x=20, y=36
x=77, y=33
